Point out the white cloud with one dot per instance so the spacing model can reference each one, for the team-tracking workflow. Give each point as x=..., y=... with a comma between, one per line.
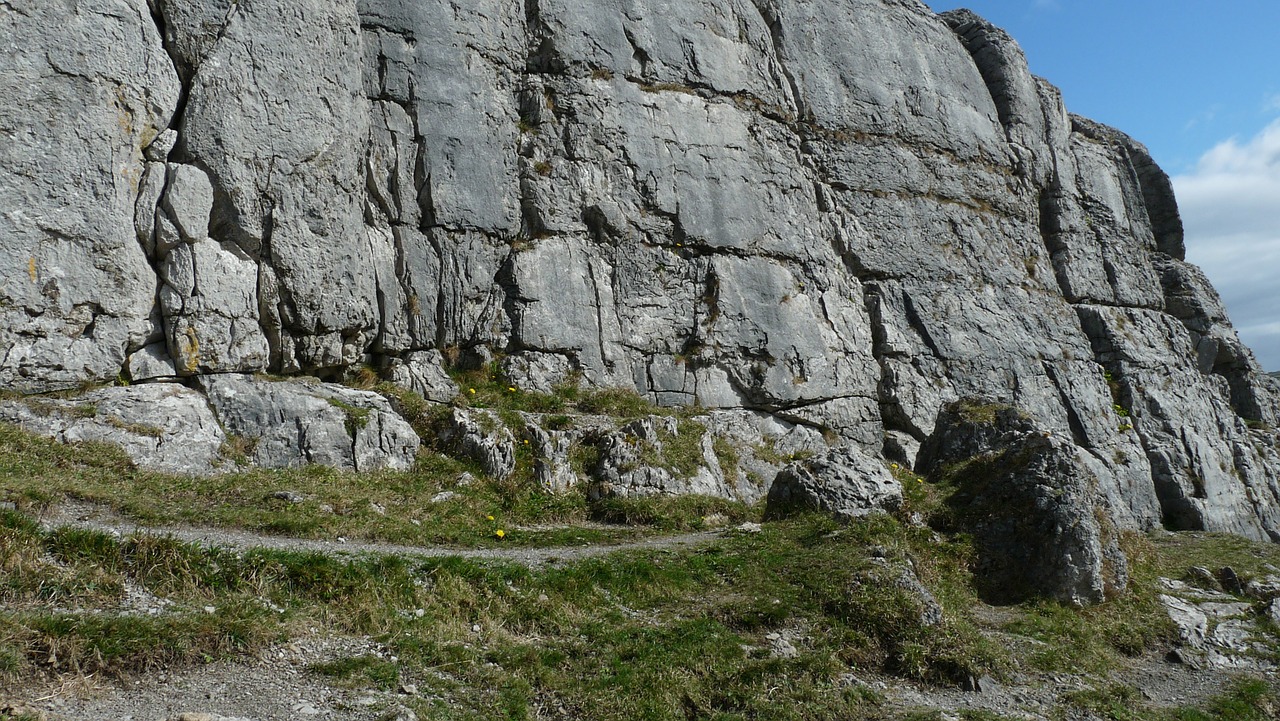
x=1230, y=206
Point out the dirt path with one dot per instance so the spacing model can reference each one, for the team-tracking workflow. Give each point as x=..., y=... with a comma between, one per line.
x=99, y=518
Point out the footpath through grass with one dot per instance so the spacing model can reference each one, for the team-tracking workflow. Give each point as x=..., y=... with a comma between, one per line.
x=779, y=624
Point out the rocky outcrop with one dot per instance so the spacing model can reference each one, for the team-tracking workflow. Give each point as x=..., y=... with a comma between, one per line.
x=839, y=218
x=286, y=423
x=163, y=426
x=1030, y=498
x=843, y=482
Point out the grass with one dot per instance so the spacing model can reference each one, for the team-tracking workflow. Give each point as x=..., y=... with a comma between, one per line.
x=394, y=507
x=672, y=633
x=1246, y=699
x=642, y=634
x=1097, y=639
x=669, y=633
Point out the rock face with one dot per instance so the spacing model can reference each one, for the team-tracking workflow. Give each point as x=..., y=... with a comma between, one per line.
x=840, y=217
x=1031, y=500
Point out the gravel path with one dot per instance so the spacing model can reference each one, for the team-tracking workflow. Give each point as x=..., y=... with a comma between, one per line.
x=99, y=518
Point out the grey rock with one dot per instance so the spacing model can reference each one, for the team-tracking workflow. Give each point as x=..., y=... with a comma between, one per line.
x=423, y=373
x=1031, y=501
x=843, y=481
x=158, y=150
x=480, y=435
x=756, y=446
x=1265, y=588
x=150, y=190
x=294, y=423
x=1230, y=581
x=901, y=448
x=160, y=426
x=839, y=218
x=287, y=176
x=635, y=461
x=553, y=448
x=151, y=363
x=1192, y=623
x=188, y=200
x=209, y=299
x=540, y=372
x=780, y=646
x=79, y=105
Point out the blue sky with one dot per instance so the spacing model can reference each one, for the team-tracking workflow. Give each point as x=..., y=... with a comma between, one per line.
x=1198, y=83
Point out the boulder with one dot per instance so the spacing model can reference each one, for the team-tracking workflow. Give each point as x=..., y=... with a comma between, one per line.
x=290, y=423
x=423, y=373
x=480, y=435
x=844, y=482
x=161, y=426
x=1031, y=501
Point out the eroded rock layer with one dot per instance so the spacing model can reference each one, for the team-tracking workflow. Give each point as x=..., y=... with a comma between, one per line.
x=841, y=216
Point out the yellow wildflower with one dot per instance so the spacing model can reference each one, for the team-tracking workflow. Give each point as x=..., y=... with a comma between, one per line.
x=500, y=533
x=490, y=517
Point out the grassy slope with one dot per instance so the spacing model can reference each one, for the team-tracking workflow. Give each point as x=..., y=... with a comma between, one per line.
x=634, y=635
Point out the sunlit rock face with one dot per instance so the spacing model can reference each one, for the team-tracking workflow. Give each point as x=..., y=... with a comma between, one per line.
x=841, y=215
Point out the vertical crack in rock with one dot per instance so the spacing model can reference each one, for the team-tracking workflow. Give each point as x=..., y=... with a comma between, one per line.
x=773, y=21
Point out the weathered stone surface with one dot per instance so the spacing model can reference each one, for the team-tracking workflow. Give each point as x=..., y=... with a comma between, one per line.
x=1215, y=629
x=276, y=114
x=1031, y=500
x=78, y=107
x=151, y=363
x=651, y=456
x=293, y=423
x=480, y=435
x=161, y=426
x=424, y=374
x=841, y=217
x=843, y=481
x=555, y=440
x=188, y=201
x=209, y=299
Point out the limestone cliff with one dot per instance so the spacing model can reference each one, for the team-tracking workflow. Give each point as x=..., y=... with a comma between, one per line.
x=835, y=216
